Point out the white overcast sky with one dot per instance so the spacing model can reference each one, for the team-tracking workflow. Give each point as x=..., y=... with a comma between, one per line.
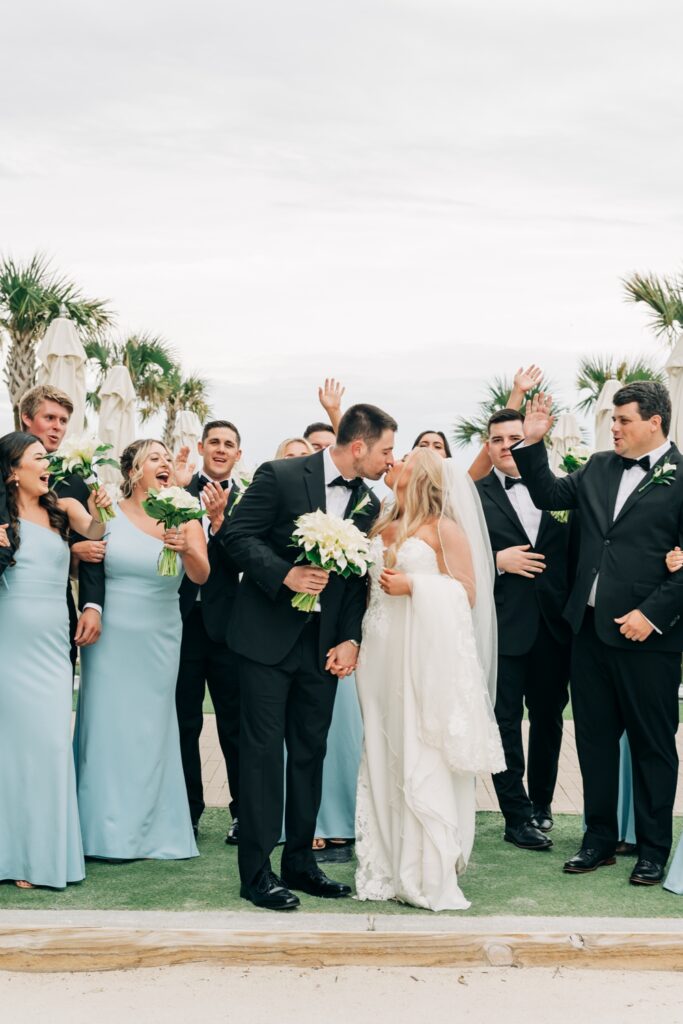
x=412, y=195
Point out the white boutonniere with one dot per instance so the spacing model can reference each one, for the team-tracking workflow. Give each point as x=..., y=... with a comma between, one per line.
x=663, y=474
x=361, y=506
x=561, y=517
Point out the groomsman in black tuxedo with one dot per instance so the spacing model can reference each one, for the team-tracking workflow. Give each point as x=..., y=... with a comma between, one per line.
x=625, y=611
x=290, y=661
x=205, y=658
x=45, y=412
x=531, y=551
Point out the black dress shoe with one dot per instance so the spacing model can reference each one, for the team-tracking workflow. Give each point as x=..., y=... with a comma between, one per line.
x=587, y=860
x=624, y=849
x=232, y=838
x=316, y=883
x=527, y=837
x=334, y=853
x=269, y=893
x=542, y=818
x=195, y=829
x=647, y=872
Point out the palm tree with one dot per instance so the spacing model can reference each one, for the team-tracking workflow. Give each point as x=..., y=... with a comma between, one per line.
x=595, y=370
x=31, y=296
x=663, y=295
x=149, y=360
x=183, y=393
x=497, y=393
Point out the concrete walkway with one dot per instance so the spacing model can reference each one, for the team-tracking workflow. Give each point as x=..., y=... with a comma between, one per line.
x=568, y=795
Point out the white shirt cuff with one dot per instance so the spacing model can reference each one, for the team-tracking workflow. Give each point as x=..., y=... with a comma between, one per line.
x=91, y=604
x=651, y=624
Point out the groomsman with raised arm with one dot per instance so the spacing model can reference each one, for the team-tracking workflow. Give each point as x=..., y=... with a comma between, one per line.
x=532, y=585
x=205, y=658
x=625, y=611
x=45, y=412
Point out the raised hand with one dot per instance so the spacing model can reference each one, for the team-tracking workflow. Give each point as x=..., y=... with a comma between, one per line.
x=215, y=499
x=527, y=380
x=183, y=469
x=330, y=396
x=538, y=418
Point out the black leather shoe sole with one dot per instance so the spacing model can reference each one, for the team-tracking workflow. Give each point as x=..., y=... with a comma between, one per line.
x=639, y=880
x=527, y=846
x=607, y=862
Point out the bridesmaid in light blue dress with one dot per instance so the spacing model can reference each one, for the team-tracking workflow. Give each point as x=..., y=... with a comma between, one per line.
x=625, y=809
x=337, y=814
x=131, y=789
x=40, y=838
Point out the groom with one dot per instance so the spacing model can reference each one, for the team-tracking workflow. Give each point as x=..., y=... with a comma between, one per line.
x=625, y=611
x=290, y=661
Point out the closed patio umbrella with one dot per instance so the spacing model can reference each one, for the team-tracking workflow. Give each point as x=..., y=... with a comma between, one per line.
x=62, y=364
x=603, y=415
x=565, y=435
x=117, y=418
x=674, y=369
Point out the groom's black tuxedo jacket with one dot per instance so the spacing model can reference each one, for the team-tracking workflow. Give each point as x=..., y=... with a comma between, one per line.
x=218, y=593
x=90, y=574
x=521, y=603
x=263, y=625
x=627, y=552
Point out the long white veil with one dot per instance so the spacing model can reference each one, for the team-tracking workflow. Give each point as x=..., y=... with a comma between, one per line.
x=462, y=505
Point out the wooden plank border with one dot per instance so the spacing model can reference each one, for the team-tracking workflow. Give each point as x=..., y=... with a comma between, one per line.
x=82, y=948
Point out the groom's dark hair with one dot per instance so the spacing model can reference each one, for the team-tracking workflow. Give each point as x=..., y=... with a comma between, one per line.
x=651, y=397
x=364, y=423
x=504, y=416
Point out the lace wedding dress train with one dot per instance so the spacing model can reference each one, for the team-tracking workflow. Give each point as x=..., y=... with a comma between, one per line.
x=429, y=730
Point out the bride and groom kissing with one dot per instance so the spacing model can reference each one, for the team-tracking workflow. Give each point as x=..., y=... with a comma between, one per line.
x=425, y=671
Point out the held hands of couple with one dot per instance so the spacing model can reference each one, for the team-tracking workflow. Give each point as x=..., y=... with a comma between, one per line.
x=520, y=560
x=341, y=660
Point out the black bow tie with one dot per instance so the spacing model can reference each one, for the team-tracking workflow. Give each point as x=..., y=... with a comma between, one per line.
x=352, y=485
x=644, y=463
x=204, y=480
x=510, y=481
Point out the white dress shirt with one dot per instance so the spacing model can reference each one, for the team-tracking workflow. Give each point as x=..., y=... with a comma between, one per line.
x=520, y=499
x=630, y=478
x=337, y=497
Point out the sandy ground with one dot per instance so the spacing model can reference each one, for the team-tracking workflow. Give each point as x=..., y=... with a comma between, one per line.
x=212, y=995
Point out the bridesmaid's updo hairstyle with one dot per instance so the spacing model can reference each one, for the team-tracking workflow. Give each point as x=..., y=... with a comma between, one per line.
x=12, y=448
x=132, y=461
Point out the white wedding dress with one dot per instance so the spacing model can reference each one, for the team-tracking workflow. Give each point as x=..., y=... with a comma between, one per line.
x=429, y=730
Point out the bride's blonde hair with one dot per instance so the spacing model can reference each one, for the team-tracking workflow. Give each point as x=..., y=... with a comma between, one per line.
x=422, y=502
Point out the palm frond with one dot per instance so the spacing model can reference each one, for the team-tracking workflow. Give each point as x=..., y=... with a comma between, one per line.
x=664, y=296
x=594, y=371
x=497, y=392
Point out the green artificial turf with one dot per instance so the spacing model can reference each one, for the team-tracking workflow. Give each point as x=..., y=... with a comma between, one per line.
x=500, y=880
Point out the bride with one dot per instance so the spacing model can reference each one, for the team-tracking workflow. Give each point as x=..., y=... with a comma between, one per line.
x=426, y=683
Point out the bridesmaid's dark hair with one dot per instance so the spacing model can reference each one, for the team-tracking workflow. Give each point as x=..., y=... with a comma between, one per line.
x=439, y=433
x=12, y=448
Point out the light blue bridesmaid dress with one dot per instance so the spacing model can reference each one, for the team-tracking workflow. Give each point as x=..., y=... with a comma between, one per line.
x=625, y=811
x=337, y=814
x=40, y=838
x=131, y=790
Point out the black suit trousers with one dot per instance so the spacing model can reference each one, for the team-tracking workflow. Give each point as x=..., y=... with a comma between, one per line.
x=539, y=678
x=634, y=690
x=291, y=703
x=204, y=662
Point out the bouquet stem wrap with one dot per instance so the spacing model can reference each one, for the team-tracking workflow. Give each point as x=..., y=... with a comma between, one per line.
x=332, y=544
x=171, y=507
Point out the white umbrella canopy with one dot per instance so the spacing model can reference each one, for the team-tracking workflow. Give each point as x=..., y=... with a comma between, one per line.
x=117, y=425
x=566, y=434
x=62, y=364
x=603, y=415
x=674, y=369
x=187, y=432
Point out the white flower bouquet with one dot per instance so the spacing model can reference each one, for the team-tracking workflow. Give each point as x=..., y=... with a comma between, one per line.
x=171, y=507
x=330, y=543
x=81, y=456
x=575, y=458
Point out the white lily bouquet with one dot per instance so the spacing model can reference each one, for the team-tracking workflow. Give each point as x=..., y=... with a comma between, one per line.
x=81, y=456
x=171, y=507
x=330, y=543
